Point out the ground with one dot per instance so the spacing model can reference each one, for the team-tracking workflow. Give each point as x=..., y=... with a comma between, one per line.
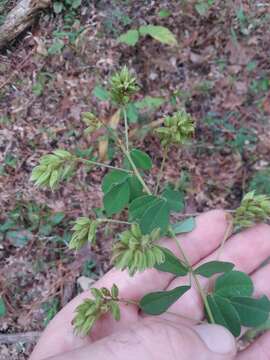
x=219, y=72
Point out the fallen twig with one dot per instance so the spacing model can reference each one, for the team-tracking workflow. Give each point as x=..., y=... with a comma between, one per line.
x=28, y=337
x=20, y=18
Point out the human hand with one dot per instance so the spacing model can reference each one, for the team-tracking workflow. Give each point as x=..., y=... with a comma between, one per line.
x=170, y=336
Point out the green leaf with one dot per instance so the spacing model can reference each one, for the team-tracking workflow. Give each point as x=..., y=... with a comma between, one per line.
x=138, y=206
x=113, y=178
x=175, y=199
x=224, y=313
x=56, y=47
x=19, y=238
x=214, y=267
x=149, y=103
x=76, y=4
x=115, y=310
x=38, y=88
x=171, y=264
x=130, y=37
x=252, y=312
x=233, y=283
x=163, y=13
x=2, y=307
x=57, y=218
x=141, y=159
x=157, y=303
x=184, y=226
x=116, y=198
x=135, y=187
x=132, y=113
x=58, y=7
x=101, y=93
x=156, y=216
x=159, y=33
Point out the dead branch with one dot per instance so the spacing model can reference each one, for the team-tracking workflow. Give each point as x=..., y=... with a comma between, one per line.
x=28, y=337
x=20, y=18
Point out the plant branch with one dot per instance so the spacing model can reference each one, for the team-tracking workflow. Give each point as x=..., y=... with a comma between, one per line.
x=126, y=153
x=129, y=302
x=126, y=129
x=136, y=172
x=90, y=162
x=198, y=285
x=227, y=234
x=165, y=154
x=115, y=221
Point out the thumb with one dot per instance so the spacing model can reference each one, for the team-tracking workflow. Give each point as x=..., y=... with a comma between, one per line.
x=217, y=341
x=156, y=339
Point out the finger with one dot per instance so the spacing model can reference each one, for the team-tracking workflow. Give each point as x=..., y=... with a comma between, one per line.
x=247, y=250
x=155, y=340
x=207, y=235
x=197, y=244
x=259, y=350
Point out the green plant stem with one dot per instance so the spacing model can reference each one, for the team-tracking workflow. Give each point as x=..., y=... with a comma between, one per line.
x=90, y=162
x=136, y=171
x=127, y=154
x=165, y=155
x=227, y=234
x=126, y=128
x=129, y=302
x=198, y=285
x=115, y=221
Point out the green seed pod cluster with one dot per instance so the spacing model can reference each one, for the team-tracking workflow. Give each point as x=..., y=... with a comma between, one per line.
x=137, y=252
x=177, y=129
x=53, y=168
x=86, y=314
x=252, y=210
x=84, y=231
x=123, y=85
x=92, y=123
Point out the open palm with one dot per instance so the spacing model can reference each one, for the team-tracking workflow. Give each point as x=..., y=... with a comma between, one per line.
x=247, y=250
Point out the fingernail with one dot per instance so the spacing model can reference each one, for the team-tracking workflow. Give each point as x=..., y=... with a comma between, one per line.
x=218, y=339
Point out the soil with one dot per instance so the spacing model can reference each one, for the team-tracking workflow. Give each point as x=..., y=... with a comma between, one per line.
x=219, y=72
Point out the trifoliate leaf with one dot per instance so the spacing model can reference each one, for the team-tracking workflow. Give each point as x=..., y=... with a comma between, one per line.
x=224, y=313
x=171, y=264
x=140, y=205
x=252, y=312
x=156, y=303
x=116, y=199
x=132, y=113
x=214, y=267
x=184, y=226
x=130, y=37
x=175, y=199
x=113, y=178
x=159, y=33
x=156, y=216
x=149, y=103
x=233, y=283
x=136, y=188
x=2, y=307
x=101, y=93
x=141, y=159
